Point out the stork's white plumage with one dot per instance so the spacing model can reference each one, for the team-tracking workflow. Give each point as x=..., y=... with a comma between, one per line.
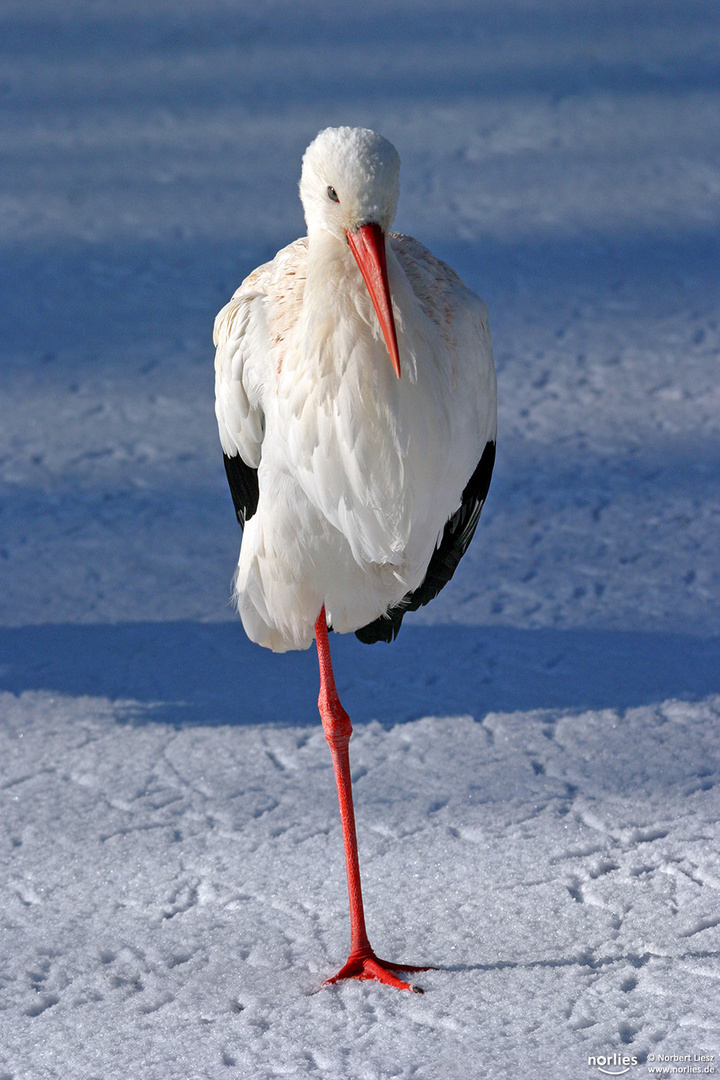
x=358, y=491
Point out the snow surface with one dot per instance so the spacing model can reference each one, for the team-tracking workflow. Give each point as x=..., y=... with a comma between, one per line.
x=536, y=757
x=176, y=896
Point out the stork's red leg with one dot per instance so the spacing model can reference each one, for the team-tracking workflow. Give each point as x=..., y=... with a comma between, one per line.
x=362, y=962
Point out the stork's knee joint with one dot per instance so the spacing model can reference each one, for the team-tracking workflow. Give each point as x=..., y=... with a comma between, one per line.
x=335, y=721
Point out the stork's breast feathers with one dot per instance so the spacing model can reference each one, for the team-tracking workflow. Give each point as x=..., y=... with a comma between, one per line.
x=383, y=460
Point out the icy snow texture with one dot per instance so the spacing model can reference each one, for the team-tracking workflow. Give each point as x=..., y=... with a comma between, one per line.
x=537, y=755
x=176, y=897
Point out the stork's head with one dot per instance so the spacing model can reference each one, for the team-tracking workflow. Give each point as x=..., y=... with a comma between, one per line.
x=349, y=188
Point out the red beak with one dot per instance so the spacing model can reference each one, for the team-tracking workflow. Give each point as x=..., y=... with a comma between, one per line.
x=368, y=247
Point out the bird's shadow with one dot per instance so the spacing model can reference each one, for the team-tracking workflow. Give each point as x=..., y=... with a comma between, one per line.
x=202, y=673
x=586, y=959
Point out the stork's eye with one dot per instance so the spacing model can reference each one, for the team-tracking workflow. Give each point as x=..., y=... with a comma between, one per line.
x=332, y=194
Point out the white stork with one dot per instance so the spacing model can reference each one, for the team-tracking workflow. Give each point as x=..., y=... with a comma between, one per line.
x=358, y=490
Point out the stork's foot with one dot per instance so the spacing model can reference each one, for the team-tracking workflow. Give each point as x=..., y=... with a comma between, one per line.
x=364, y=964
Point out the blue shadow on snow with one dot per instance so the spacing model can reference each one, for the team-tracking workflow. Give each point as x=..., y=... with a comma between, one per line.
x=209, y=673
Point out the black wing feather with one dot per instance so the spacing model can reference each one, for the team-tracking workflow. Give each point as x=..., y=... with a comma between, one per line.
x=455, y=540
x=243, y=481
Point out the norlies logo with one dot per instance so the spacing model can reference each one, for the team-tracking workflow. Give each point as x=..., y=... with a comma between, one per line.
x=613, y=1064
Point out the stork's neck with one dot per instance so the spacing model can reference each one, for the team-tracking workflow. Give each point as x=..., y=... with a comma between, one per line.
x=336, y=304
x=329, y=261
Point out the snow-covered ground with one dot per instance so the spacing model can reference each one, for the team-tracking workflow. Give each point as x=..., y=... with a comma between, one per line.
x=176, y=896
x=536, y=757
